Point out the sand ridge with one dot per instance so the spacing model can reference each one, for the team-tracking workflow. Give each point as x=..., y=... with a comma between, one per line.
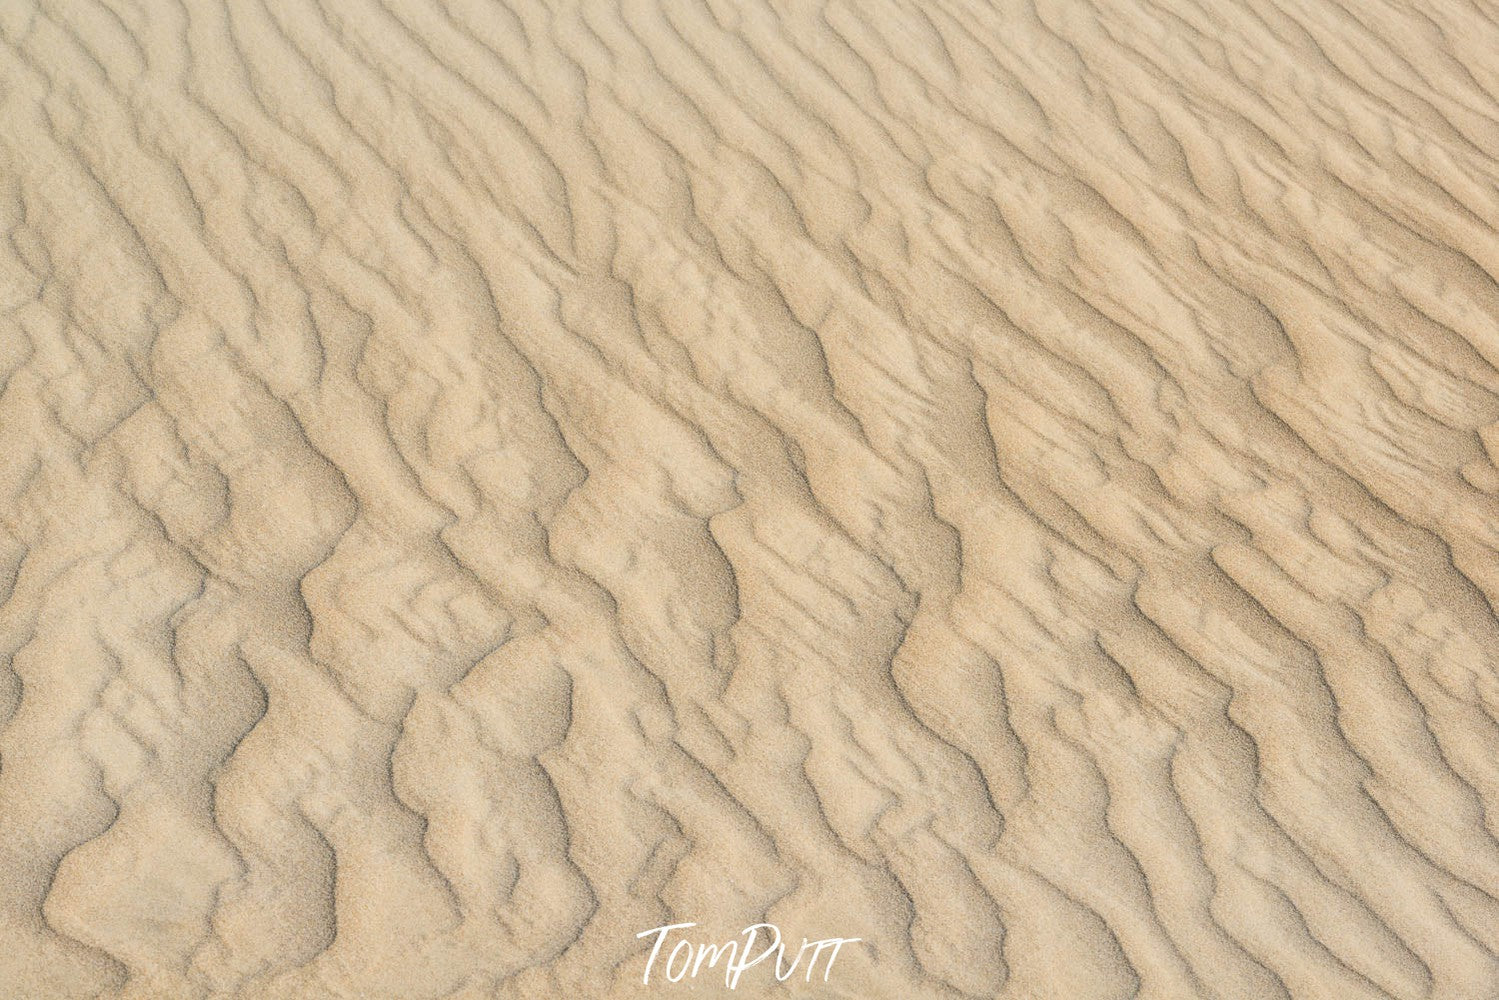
x=1012, y=483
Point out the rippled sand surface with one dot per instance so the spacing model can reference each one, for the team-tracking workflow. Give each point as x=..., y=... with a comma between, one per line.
x=1013, y=483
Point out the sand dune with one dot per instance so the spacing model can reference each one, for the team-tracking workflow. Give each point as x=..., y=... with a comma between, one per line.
x=1011, y=483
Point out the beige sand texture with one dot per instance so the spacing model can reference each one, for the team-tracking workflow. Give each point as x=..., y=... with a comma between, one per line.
x=1013, y=483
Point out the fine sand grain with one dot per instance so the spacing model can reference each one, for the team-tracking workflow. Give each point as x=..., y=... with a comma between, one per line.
x=1013, y=483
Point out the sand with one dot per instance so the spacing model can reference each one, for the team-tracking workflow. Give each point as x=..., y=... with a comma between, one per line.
x=1012, y=484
